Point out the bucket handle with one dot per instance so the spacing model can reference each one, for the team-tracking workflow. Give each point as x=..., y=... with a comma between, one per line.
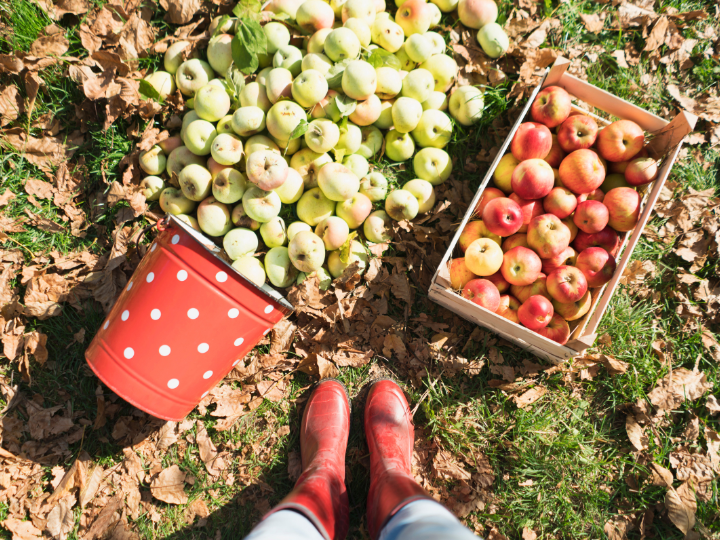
x=161, y=225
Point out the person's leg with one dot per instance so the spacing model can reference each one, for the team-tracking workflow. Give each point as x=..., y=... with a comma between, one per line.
x=425, y=520
x=318, y=505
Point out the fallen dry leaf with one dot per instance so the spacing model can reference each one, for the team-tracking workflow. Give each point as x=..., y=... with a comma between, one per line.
x=180, y=11
x=530, y=397
x=677, y=387
x=22, y=530
x=681, y=507
x=53, y=45
x=11, y=104
x=592, y=22
x=61, y=520
x=169, y=486
x=635, y=433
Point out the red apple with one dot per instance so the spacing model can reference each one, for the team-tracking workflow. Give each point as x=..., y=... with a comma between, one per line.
x=508, y=308
x=574, y=310
x=620, y=141
x=568, y=222
x=607, y=239
x=567, y=257
x=620, y=166
x=523, y=292
x=567, y=284
x=502, y=216
x=533, y=179
x=577, y=132
x=641, y=171
x=483, y=293
x=499, y=281
x=530, y=209
x=535, y=312
x=460, y=274
x=560, y=202
x=488, y=195
x=556, y=155
x=551, y=106
x=531, y=141
x=557, y=330
x=474, y=230
x=582, y=171
x=517, y=239
x=521, y=266
x=623, y=205
x=591, y=216
x=597, y=265
x=548, y=236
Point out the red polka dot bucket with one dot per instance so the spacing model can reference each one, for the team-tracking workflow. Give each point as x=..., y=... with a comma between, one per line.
x=180, y=325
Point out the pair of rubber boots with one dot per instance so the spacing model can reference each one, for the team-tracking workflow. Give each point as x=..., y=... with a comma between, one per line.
x=320, y=493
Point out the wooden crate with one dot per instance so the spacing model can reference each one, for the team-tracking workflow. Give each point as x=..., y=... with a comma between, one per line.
x=665, y=142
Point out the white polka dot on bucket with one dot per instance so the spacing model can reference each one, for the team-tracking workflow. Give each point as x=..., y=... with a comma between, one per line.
x=207, y=374
x=221, y=277
x=164, y=350
x=128, y=353
x=268, y=309
x=129, y=286
x=154, y=246
x=125, y=315
x=239, y=341
x=107, y=323
x=205, y=393
x=236, y=362
x=203, y=348
x=233, y=313
x=173, y=384
x=182, y=275
x=175, y=239
x=150, y=277
x=193, y=313
x=155, y=314
x=266, y=332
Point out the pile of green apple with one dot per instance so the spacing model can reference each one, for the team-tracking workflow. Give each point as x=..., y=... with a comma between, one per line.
x=301, y=130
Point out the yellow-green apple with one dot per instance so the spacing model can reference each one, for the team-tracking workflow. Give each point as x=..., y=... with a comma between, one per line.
x=474, y=230
x=523, y=292
x=360, y=9
x=219, y=52
x=295, y=227
x=477, y=13
x=354, y=210
x=566, y=258
x=482, y=292
x=377, y=227
x=251, y=268
x=508, y=309
x=212, y=102
x=189, y=117
x=581, y=171
x=574, y=310
x=226, y=149
x=406, y=113
x=438, y=42
x=292, y=189
x=401, y=205
x=414, y=17
x=444, y=70
x=267, y=170
x=306, y=251
x=641, y=171
x=488, y=195
x=548, y=236
x=261, y=205
x=532, y=179
x=517, y=239
x=557, y=330
x=530, y=209
x=597, y=265
x=314, y=206
x=418, y=48
x=446, y=6
x=213, y=217
x=173, y=201
x=224, y=125
x=174, y=56
x=357, y=255
x=418, y=84
x=433, y=165
x=521, y=266
x=620, y=141
x=361, y=30
x=317, y=62
x=153, y=161
x=388, y=34
x=350, y=139
x=437, y=101
x=367, y=112
x=406, y=63
x=577, y=132
x=357, y=164
x=551, y=106
x=532, y=140
x=623, y=206
x=278, y=85
x=460, y=274
x=239, y=242
x=199, y=136
x=309, y=88
x=535, y=312
x=277, y=36
x=314, y=15
x=389, y=82
x=374, y=186
x=342, y=44
x=371, y=143
x=192, y=75
x=436, y=15
x=359, y=80
x=399, y=146
x=466, y=104
x=195, y=182
x=385, y=120
x=308, y=164
x=240, y=218
x=273, y=232
x=607, y=239
x=260, y=142
x=322, y=135
x=247, y=121
x=333, y=231
x=502, y=216
x=214, y=167
x=499, y=281
x=484, y=257
x=283, y=118
x=316, y=43
x=560, y=202
x=229, y=185
x=163, y=82
x=502, y=176
x=493, y=40
x=152, y=187
x=591, y=216
x=280, y=270
x=568, y=222
x=423, y=192
x=556, y=154
x=337, y=182
x=434, y=129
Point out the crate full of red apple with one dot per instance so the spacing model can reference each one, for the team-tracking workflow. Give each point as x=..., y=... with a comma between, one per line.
x=554, y=222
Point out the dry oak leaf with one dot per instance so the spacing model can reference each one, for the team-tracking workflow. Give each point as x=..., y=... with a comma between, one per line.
x=530, y=397
x=661, y=476
x=528, y=534
x=635, y=433
x=681, y=506
x=169, y=486
x=38, y=188
x=318, y=366
x=447, y=468
x=678, y=386
x=592, y=22
x=11, y=104
x=180, y=11
x=61, y=520
x=22, y=530
x=54, y=45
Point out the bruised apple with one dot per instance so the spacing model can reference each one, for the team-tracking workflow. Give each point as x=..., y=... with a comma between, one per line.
x=557, y=330
x=535, y=312
x=509, y=306
x=483, y=293
x=597, y=265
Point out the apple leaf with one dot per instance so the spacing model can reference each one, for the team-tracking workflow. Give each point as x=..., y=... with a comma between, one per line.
x=147, y=91
x=299, y=130
x=248, y=43
x=382, y=58
x=345, y=105
x=247, y=8
x=346, y=247
x=235, y=80
x=335, y=73
x=223, y=20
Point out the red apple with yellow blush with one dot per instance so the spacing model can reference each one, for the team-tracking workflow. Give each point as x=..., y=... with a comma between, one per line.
x=576, y=133
x=532, y=140
x=483, y=293
x=620, y=141
x=503, y=216
x=535, y=312
x=551, y=107
x=521, y=266
x=597, y=265
x=557, y=330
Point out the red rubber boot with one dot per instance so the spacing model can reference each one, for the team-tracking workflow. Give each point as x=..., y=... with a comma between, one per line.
x=320, y=494
x=390, y=434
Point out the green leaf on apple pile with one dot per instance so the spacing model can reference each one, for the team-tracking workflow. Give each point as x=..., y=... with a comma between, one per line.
x=248, y=43
x=235, y=80
x=223, y=20
x=248, y=8
x=299, y=130
x=335, y=73
x=381, y=58
x=147, y=91
x=345, y=104
x=345, y=248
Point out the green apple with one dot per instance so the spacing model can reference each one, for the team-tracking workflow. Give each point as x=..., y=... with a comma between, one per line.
x=288, y=148
x=446, y=6
x=371, y=144
x=424, y=192
x=361, y=29
x=295, y=227
x=316, y=61
x=399, y=146
x=227, y=149
x=292, y=189
x=437, y=101
x=322, y=135
x=437, y=41
x=260, y=142
x=199, y=136
x=359, y=9
x=385, y=120
x=359, y=80
x=444, y=70
x=337, y=7
x=419, y=48
x=434, y=129
x=433, y=165
x=180, y=158
x=152, y=187
x=316, y=43
x=240, y=242
x=418, y=84
x=251, y=268
x=333, y=231
x=261, y=205
x=280, y=270
x=290, y=58
x=163, y=82
x=366, y=112
x=153, y=161
x=466, y=105
x=174, y=56
x=277, y=36
x=389, y=83
x=228, y=26
x=192, y=75
x=350, y=139
x=324, y=277
x=224, y=125
x=195, y=182
x=314, y=206
x=189, y=117
x=273, y=232
x=493, y=40
x=401, y=205
x=229, y=185
x=306, y=251
x=240, y=218
x=248, y=121
x=337, y=182
x=219, y=52
x=388, y=34
x=189, y=221
x=342, y=44
x=374, y=186
x=278, y=84
x=283, y=118
x=377, y=227
x=357, y=255
x=254, y=94
x=327, y=107
x=406, y=113
x=414, y=17
x=174, y=202
x=436, y=15
x=308, y=164
x=406, y=63
x=357, y=164
x=213, y=217
x=286, y=8
x=309, y=88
